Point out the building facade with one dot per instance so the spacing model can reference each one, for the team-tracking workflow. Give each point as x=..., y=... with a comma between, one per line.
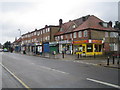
x=38, y=41
x=88, y=36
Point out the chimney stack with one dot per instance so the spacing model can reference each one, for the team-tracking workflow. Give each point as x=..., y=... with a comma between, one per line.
x=60, y=22
x=110, y=23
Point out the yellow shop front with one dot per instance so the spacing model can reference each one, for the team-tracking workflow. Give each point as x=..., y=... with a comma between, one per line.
x=88, y=47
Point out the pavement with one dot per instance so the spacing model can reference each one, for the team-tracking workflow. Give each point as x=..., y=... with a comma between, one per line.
x=97, y=60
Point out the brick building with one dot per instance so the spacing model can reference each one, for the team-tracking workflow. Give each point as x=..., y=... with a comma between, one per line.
x=37, y=41
x=87, y=35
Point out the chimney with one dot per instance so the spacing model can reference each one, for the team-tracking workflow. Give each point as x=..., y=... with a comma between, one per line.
x=60, y=22
x=15, y=38
x=46, y=26
x=110, y=23
x=83, y=18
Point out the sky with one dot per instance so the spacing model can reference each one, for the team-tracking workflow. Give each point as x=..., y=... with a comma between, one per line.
x=28, y=15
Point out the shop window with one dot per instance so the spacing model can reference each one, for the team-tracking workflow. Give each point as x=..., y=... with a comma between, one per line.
x=90, y=48
x=80, y=48
x=96, y=48
x=100, y=48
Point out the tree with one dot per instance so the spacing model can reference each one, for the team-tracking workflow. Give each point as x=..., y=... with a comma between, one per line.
x=7, y=45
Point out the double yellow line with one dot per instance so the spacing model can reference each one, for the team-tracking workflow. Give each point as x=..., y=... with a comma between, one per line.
x=20, y=81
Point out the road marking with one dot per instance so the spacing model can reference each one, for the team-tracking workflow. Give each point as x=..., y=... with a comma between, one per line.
x=85, y=63
x=53, y=69
x=105, y=83
x=20, y=81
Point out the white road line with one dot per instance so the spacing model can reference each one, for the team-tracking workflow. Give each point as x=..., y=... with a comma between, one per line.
x=53, y=69
x=85, y=63
x=19, y=80
x=105, y=83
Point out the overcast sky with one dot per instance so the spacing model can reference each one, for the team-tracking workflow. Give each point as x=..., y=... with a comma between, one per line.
x=28, y=15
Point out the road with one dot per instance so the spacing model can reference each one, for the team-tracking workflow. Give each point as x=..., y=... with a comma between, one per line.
x=37, y=72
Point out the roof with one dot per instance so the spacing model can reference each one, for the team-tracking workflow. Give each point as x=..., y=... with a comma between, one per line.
x=93, y=23
x=83, y=23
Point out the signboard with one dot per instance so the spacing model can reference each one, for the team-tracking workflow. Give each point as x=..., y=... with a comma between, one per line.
x=64, y=42
x=81, y=41
x=87, y=41
x=96, y=41
x=53, y=42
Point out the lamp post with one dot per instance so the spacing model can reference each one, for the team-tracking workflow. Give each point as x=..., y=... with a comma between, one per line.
x=20, y=32
x=20, y=37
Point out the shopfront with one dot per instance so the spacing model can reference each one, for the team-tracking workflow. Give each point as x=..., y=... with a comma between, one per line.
x=53, y=47
x=39, y=48
x=46, y=48
x=65, y=46
x=88, y=47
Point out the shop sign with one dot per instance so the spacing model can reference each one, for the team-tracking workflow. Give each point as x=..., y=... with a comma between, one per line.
x=96, y=41
x=81, y=41
x=53, y=42
x=39, y=43
x=64, y=42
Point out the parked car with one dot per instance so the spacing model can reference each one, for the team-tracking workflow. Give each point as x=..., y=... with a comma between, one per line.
x=5, y=50
x=1, y=50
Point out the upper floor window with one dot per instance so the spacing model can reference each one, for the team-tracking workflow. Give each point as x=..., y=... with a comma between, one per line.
x=73, y=26
x=85, y=33
x=48, y=37
x=80, y=34
x=55, y=38
x=66, y=36
x=71, y=35
x=61, y=29
x=48, y=29
x=105, y=24
x=34, y=33
x=106, y=34
x=75, y=35
x=113, y=34
x=61, y=36
x=43, y=31
x=58, y=37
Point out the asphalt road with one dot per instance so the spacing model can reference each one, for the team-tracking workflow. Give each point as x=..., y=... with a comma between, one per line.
x=37, y=72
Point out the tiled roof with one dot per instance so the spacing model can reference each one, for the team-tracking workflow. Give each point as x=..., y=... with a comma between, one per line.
x=93, y=23
x=90, y=22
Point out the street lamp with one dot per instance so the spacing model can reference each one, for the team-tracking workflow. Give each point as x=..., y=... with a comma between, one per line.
x=20, y=38
x=20, y=32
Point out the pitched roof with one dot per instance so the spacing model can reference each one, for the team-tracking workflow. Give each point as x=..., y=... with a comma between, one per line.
x=67, y=27
x=89, y=22
x=94, y=23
